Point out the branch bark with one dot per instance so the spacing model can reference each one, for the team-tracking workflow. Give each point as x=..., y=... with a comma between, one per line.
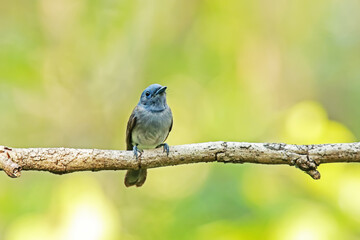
x=66, y=160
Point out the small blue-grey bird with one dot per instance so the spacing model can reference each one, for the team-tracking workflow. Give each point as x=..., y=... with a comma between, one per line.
x=148, y=127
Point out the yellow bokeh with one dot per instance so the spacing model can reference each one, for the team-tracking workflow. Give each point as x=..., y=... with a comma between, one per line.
x=349, y=196
x=306, y=221
x=307, y=123
x=85, y=212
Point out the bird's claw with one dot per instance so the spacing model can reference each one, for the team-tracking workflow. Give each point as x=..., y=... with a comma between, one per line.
x=137, y=152
x=165, y=147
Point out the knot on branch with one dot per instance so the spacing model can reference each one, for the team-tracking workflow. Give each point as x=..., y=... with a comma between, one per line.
x=10, y=168
x=306, y=164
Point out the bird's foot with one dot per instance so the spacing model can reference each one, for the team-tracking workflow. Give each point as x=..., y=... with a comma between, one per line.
x=137, y=152
x=165, y=147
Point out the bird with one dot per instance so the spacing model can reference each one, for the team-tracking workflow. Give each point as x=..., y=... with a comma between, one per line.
x=148, y=127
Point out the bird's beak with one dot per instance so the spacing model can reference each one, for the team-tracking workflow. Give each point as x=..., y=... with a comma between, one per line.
x=161, y=90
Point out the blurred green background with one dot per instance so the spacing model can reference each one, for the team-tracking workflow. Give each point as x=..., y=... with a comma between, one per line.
x=258, y=71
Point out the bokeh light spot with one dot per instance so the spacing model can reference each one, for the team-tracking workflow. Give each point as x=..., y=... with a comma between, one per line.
x=305, y=122
x=349, y=197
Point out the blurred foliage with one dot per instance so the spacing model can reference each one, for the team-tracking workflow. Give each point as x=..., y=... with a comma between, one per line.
x=282, y=71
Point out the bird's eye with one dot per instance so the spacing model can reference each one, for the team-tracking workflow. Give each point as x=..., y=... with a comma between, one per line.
x=147, y=94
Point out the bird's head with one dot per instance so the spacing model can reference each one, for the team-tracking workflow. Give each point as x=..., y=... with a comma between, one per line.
x=153, y=97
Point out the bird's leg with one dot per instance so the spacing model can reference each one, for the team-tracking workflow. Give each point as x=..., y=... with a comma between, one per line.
x=136, y=151
x=166, y=148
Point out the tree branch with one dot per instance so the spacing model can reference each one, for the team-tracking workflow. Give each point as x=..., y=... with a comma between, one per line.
x=67, y=160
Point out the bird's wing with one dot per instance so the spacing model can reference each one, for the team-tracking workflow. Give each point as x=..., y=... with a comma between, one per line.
x=171, y=125
x=172, y=120
x=130, y=126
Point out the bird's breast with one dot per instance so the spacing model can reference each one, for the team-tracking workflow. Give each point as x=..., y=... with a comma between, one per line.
x=151, y=128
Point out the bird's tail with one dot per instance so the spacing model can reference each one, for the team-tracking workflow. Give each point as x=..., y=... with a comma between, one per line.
x=135, y=177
